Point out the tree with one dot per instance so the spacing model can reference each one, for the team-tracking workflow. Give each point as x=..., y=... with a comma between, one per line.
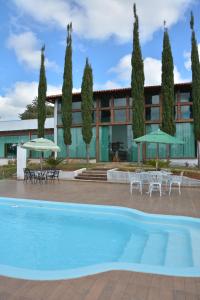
x=42, y=89
x=195, y=66
x=31, y=111
x=86, y=106
x=66, y=105
x=167, y=86
x=137, y=82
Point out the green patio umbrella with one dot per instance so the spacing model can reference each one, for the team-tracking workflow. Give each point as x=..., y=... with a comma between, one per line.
x=158, y=137
x=41, y=145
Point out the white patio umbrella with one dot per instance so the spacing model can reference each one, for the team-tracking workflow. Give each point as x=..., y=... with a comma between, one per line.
x=41, y=145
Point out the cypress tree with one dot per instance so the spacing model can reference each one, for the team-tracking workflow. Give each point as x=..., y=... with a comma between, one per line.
x=195, y=65
x=66, y=105
x=86, y=106
x=167, y=87
x=137, y=83
x=42, y=89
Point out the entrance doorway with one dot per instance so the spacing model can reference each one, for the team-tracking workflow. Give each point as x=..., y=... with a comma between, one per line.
x=119, y=143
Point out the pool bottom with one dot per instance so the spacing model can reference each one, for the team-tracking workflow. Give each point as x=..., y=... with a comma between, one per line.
x=109, y=211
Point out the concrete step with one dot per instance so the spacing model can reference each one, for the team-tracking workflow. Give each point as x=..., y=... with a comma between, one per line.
x=91, y=178
x=93, y=175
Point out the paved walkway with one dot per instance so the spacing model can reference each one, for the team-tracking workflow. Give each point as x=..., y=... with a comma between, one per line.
x=114, y=285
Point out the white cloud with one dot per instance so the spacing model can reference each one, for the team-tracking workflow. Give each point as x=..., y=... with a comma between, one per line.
x=101, y=19
x=18, y=96
x=26, y=47
x=109, y=84
x=152, y=70
x=187, y=56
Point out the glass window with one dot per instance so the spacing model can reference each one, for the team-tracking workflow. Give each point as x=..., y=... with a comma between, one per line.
x=186, y=112
x=152, y=99
x=105, y=116
x=105, y=102
x=94, y=117
x=185, y=97
x=120, y=102
x=10, y=150
x=76, y=118
x=76, y=105
x=152, y=113
x=120, y=115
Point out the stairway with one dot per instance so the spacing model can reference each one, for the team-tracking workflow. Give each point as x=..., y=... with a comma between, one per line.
x=170, y=249
x=96, y=174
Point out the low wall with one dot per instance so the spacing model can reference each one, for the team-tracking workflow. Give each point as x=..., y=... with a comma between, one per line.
x=65, y=175
x=122, y=177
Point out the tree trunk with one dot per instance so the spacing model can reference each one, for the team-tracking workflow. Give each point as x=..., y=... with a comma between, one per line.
x=88, y=153
x=67, y=152
x=198, y=153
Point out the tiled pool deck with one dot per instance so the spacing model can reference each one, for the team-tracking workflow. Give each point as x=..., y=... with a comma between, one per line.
x=115, y=285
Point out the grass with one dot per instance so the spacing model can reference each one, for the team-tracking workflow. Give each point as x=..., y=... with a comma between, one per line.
x=8, y=171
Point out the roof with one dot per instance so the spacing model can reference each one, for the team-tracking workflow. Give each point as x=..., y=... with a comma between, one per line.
x=30, y=124
x=127, y=91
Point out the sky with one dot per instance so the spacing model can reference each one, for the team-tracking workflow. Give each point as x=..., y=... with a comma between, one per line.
x=102, y=31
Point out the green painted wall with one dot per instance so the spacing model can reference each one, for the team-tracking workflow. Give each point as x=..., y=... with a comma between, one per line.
x=184, y=131
x=20, y=139
x=77, y=148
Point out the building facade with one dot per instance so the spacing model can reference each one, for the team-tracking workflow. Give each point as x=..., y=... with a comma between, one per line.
x=112, y=124
x=15, y=132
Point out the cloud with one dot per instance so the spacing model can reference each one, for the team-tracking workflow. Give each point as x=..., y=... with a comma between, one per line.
x=187, y=56
x=103, y=19
x=108, y=85
x=152, y=70
x=18, y=96
x=26, y=47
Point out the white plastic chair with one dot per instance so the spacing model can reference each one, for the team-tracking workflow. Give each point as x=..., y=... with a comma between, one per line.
x=175, y=180
x=135, y=181
x=155, y=183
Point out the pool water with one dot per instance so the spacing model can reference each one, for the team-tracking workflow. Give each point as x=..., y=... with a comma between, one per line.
x=51, y=240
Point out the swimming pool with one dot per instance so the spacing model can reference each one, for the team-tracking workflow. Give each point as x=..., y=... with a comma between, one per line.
x=50, y=240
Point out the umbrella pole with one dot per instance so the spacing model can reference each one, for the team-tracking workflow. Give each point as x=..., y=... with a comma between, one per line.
x=41, y=162
x=157, y=155
x=138, y=153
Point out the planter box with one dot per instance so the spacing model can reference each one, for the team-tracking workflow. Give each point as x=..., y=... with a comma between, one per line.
x=65, y=175
x=122, y=177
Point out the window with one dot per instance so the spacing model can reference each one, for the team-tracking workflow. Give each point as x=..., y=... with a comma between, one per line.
x=185, y=97
x=105, y=116
x=120, y=102
x=105, y=102
x=120, y=115
x=76, y=118
x=186, y=112
x=94, y=117
x=152, y=113
x=152, y=99
x=76, y=105
x=10, y=150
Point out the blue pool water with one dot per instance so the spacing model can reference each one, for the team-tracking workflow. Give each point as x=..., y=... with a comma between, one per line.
x=51, y=240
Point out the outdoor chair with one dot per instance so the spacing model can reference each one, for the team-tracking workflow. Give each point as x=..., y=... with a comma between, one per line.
x=29, y=175
x=52, y=175
x=135, y=181
x=155, y=183
x=176, y=180
x=41, y=176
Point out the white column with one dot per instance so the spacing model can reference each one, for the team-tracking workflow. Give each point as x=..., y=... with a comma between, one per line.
x=21, y=162
x=55, y=124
